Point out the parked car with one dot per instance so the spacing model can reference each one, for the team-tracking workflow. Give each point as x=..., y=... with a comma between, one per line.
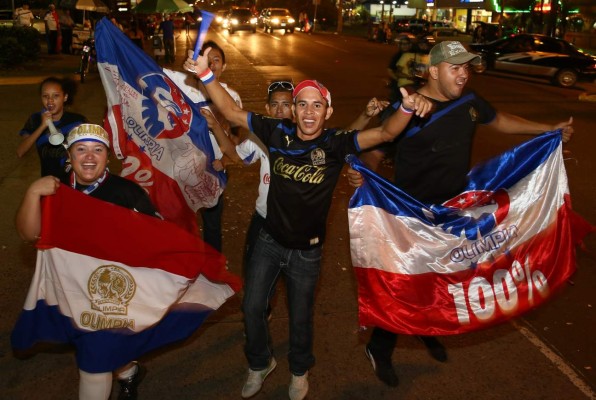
x=416, y=26
x=438, y=28
x=483, y=32
x=278, y=18
x=240, y=19
x=178, y=20
x=538, y=56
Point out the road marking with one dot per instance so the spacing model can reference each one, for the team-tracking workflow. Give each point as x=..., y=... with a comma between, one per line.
x=567, y=369
x=333, y=47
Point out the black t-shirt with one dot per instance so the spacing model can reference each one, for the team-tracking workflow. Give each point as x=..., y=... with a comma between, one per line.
x=303, y=176
x=432, y=164
x=122, y=192
x=52, y=158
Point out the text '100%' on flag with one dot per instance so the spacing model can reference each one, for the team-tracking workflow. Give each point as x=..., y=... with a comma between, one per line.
x=157, y=130
x=499, y=249
x=116, y=288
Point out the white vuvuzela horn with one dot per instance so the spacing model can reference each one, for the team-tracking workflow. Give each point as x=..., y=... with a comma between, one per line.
x=56, y=137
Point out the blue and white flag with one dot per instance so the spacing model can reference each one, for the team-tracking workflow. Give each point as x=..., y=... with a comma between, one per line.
x=157, y=130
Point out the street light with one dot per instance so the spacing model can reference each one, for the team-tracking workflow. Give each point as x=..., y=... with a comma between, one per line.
x=391, y=7
x=382, y=10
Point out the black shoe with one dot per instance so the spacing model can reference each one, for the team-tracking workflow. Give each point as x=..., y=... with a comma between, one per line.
x=435, y=348
x=383, y=368
x=128, y=387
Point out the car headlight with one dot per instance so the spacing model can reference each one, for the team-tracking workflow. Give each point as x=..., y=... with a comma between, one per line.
x=253, y=21
x=234, y=21
x=291, y=20
x=275, y=20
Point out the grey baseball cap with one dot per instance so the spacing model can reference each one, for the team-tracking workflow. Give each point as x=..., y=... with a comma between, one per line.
x=452, y=52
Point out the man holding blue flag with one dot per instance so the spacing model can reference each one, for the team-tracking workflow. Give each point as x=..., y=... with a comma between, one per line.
x=432, y=158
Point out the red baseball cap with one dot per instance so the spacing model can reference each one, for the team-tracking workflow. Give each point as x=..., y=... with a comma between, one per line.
x=315, y=85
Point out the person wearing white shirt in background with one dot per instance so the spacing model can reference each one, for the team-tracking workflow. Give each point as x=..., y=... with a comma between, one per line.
x=52, y=29
x=66, y=27
x=211, y=216
x=23, y=16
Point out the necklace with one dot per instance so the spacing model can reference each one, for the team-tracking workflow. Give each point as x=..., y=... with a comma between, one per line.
x=90, y=188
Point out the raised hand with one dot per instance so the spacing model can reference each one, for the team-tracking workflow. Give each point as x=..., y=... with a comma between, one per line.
x=416, y=102
x=374, y=107
x=199, y=65
x=567, y=128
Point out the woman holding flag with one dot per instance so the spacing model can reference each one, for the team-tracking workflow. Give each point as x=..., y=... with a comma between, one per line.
x=88, y=148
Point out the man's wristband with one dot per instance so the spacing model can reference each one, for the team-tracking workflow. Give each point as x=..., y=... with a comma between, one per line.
x=403, y=109
x=207, y=76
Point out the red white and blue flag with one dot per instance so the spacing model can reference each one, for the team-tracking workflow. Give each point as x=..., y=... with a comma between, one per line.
x=157, y=130
x=119, y=287
x=499, y=249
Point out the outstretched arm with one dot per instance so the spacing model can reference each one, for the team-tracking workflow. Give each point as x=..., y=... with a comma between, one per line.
x=373, y=108
x=220, y=97
x=28, y=218
x=512, y=124
x=412, y=104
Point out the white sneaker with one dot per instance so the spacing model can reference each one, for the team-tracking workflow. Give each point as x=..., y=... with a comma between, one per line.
x=298, y=387
x=254, y=383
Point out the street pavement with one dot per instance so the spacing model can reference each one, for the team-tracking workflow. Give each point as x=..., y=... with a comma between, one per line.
x=501, y=363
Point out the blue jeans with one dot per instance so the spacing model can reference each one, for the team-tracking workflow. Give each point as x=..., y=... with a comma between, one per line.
x=301, y=271
x=252, y=235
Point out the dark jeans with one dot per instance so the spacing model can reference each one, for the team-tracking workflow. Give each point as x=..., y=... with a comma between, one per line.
x=382, y=342
x=52, y=37
x=256, y=223
x=66, y=40
x=301, y=271
x=212, y=224
x=169, y=48
x=252, y=235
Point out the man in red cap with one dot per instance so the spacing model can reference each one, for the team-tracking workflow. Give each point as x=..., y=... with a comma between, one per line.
x=306, y=161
